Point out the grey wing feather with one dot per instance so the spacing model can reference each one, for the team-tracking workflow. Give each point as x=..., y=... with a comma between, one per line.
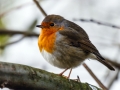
x=76, y=29
x=70, y=33
x=84, y=42
x=88, y=46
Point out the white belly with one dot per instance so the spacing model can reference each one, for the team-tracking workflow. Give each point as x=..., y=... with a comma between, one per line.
x=51, y=59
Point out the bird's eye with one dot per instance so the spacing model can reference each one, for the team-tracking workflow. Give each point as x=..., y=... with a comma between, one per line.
x=51, y=24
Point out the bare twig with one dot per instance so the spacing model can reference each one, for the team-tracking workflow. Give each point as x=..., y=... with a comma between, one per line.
x=95, y=78
x=3, y=46
x=98, y=22
x=78, y=78
x=112, y=80
x=13, y=32
x=40, y=8
x=15, y=8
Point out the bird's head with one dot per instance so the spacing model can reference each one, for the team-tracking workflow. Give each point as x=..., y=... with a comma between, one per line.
x=52, y=22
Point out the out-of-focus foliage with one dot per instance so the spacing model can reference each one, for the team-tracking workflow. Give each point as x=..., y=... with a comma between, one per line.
x=4, y=6
x=3, y=38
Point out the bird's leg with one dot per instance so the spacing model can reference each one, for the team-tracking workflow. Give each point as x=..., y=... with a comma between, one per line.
x=61, y=74
x=63, y=71
x=69, y=73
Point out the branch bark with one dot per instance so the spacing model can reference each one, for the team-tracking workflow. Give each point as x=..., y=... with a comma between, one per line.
x=21, y=77
x=13, y=32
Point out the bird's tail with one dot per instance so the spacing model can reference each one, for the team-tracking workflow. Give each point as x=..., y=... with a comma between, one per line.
x=105, y=63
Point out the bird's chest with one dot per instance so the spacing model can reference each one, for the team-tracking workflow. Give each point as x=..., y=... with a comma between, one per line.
x=47, y=42
x=49, y=48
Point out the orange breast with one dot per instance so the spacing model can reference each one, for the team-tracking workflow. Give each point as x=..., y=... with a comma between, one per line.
x=46, y=40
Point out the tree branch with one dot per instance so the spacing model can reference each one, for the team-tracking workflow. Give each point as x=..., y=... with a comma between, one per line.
x=95, y=78
x=13, y=32
x=40, y=8
x=113, y=79
x=3, y=46
x=98, y=22
x=21, y=77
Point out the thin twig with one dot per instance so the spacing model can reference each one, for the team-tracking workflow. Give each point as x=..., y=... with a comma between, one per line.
x=95, y=78
x=40, y=8
x=15, y=8
x=113, y=79
x=3, y=46
x=78, y=78
x=98, y=22
x=14, y=32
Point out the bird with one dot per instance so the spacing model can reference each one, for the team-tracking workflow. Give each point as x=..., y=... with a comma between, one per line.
x=65, y=44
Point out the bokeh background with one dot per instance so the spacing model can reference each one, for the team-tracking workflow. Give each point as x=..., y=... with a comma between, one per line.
x=23, y=15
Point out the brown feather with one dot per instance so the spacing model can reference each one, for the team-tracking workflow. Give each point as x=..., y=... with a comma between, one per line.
x=84, y=43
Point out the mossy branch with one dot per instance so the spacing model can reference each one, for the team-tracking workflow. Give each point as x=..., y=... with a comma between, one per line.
x=22, y=77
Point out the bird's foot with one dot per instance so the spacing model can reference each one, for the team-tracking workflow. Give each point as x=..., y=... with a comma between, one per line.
x=67, y=77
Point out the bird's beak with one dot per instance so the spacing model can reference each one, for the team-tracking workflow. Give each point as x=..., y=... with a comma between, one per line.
x=40, y=26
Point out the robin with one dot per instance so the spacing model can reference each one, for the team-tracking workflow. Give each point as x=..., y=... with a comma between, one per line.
x=66, y=45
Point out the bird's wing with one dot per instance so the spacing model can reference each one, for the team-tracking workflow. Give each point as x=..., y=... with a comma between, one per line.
x=81, y=39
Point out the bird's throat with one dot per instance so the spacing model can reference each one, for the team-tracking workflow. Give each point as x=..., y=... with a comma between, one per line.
x=46, y=41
